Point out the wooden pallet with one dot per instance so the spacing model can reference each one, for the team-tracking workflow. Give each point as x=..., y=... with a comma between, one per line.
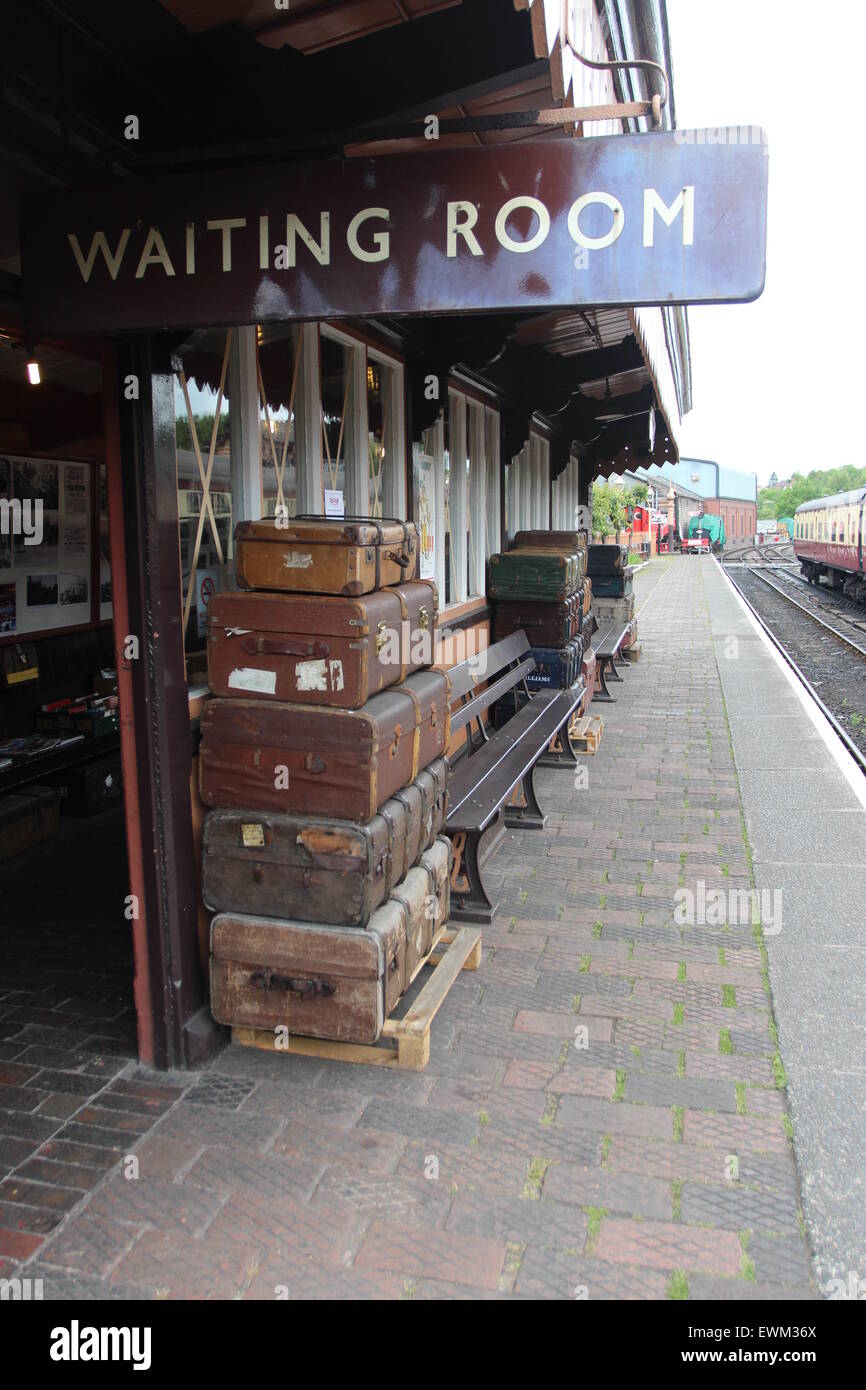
x=585, y=733
x=406, y=1040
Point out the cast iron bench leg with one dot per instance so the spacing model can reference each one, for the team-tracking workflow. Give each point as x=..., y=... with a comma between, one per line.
x=559, y=752
x=612, y=671
x=470, y=901
x=529, y=816
x=604, y=693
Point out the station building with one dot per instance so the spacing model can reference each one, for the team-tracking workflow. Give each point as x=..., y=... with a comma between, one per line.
x=149, y=443
x=725, y=492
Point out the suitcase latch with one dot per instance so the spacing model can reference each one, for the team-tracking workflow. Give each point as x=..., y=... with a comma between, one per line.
x=423, y=621
x=312, y=763
x=381, y=637
x=395, y=746
x=288, y=984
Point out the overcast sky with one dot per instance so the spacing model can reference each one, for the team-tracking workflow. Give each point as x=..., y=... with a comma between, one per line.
x=777, y=383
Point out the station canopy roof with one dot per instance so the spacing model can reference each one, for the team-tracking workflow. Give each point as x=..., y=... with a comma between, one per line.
x=316, y=79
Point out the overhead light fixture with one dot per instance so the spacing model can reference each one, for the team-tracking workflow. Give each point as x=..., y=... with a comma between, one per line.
x=34, y=374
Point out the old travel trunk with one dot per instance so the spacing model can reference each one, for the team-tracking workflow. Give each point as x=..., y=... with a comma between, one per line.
x=606, y=559
x=27, y=817
x=319, y=650
x=569, y=541
x=535, y=574
x=269, y=756
x=545, y=624
x=320, y=870
x=320, y=555
x=322, y=981
x=328, y=981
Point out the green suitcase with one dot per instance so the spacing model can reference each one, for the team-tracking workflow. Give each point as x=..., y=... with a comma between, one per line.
x=534, y=574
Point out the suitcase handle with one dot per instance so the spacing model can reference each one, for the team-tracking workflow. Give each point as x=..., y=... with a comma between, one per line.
x=289, y=984
x=402, y=560
x=263, y=646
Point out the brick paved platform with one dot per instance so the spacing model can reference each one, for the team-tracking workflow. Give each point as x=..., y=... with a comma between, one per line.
x=600, y=1117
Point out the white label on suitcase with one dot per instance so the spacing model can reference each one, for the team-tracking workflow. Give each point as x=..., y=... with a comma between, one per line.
x=247, y=678
x=311, y=675
x=297, y=560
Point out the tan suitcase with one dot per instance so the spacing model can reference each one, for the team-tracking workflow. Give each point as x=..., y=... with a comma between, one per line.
x=320, y=555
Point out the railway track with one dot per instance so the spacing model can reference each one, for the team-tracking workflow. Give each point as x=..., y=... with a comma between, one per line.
x=825, y=647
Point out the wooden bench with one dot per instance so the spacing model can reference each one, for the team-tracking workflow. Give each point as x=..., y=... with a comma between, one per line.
x=607, y=646
x=499, y=765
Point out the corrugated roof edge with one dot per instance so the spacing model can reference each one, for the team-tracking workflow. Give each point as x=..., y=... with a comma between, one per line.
x=836, y=499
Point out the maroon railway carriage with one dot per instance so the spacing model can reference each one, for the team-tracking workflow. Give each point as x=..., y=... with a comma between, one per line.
x=829, y=540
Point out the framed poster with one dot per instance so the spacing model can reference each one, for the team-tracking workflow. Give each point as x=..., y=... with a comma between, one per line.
x=426, y=516
x=45, y=545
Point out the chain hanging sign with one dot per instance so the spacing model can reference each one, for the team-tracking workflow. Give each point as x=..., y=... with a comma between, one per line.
x=670, y=217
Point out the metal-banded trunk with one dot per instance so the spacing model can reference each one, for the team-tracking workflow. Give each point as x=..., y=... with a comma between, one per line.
x=328, y=981
x=546, y=624
x=320, y=870
x=536, y=574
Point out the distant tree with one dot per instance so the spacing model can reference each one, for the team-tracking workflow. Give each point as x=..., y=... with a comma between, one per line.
x=800, y=489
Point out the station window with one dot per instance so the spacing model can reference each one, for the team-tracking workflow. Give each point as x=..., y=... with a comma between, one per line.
x=528, y=487
x=279, y=351
x=456, y=492
x=204, y=472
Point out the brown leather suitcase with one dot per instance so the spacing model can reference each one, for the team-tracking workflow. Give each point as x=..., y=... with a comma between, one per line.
x=324, y=555
x=586, y=595
x=320, y=870
x=545, y=624
x=319, y=649
x=328, y=981
x=264, y=755
x=320, y=981
x=556, y=540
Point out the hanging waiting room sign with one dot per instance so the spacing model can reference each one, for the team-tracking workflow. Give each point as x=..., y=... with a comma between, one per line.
x=663, y=218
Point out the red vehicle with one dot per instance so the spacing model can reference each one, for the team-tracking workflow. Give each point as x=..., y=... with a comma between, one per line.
x=828, y=540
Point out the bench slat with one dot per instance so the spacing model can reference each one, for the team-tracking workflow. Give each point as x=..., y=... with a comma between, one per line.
x=465, y=676
x=464, y=714
x=609, y=639
x=482, y=783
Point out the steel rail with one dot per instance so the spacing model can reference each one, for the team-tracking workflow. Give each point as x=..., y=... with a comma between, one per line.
x=856, y=753
x=828, y=627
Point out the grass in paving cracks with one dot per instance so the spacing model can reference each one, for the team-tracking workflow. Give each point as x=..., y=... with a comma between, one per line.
x=678, y=1285
x=594, y=1218
x=534, y=1179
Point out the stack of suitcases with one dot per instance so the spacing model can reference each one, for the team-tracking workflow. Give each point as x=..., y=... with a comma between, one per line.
x=612, y=587
x=323, y=762
x=540, y=587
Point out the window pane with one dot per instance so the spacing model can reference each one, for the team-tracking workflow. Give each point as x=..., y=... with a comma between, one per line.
x=449, y=578
x=204, y=508
x=380, y=403
x=336, y=403
x=473, y=532
x=279, y=382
